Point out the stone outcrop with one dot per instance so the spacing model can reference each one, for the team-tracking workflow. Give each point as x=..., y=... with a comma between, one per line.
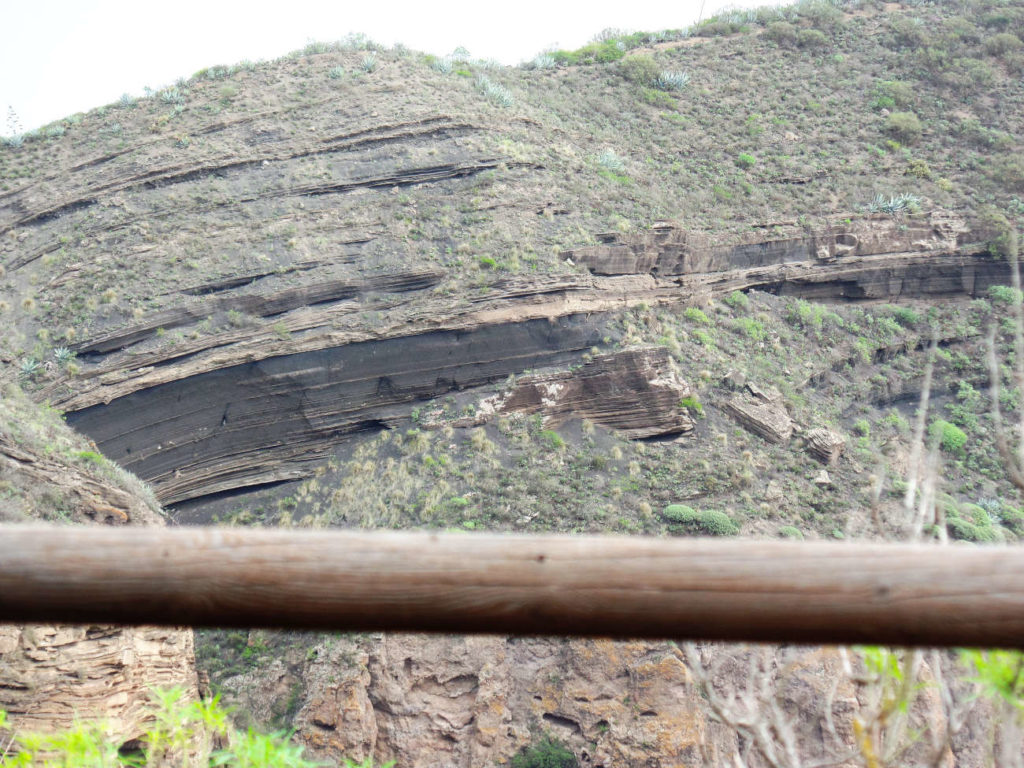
x=667, y=250
x=762, y=412
x=825, y=445
x=635, y=392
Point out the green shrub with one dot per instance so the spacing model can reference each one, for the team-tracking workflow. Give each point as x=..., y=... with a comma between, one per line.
x=708, y=522
x=1009, y=172
x=967, y=75
x=679, y=513
x=1002, y=43
x=904, y=126
x=951, y=438
x=703, y=338
x=640, y=69
x=744, y=160
x=1004, y=294
x=905, y=316
x=782, y=33
x=91, y=457
x=893, y=93
x=982, y=136
x=695, y=315
x=1012, y=519
x=718, y=28
x=790, y=532
x=597, y=52
x=907, y=32
x=964, y=530
x=658, y=98
x=737, y=300
x=691, y=403
x=553, y=439
x=918, y=168
x=862, y=427
x=546, y=753
x=752, y=328
x=811, y=38
x=821, y=14
x=1001, y=235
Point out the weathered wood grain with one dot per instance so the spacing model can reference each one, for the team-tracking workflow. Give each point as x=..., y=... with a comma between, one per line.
x=558, y=585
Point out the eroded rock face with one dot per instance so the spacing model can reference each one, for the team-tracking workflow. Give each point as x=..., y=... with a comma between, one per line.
x=459, y=702
x=635, y=392
x=447, y=702
x=49, y=675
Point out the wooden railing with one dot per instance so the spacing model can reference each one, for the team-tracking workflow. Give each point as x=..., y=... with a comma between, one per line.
x=627, y=587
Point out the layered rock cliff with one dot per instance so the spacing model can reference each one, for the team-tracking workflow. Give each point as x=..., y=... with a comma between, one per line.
x=313, y=292
x=51, y=676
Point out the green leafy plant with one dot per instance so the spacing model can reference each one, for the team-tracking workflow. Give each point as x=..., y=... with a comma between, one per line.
x=1000, y=675
x=696, y=315
x=790, y=532
x=951, y=438
x=546, y=753
x=737, y=300
x=692, y=404
x=708, y=522
x=179, y=732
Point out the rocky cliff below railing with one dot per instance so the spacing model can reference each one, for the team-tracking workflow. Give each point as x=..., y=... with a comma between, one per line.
x=51, y=676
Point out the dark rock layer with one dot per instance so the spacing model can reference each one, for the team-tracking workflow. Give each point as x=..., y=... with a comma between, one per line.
x=262, y=421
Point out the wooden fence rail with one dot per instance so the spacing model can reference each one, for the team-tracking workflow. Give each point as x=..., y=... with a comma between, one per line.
x=627, y=587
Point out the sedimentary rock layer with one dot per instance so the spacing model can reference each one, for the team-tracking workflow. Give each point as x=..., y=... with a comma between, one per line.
x=261, y=421
x=636, y=392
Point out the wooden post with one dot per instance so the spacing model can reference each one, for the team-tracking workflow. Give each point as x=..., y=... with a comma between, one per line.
x=627, y=587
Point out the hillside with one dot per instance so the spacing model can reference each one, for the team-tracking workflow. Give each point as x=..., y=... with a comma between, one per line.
x=677, y=283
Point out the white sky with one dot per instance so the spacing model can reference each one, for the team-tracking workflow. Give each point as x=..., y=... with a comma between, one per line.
x=59, y=57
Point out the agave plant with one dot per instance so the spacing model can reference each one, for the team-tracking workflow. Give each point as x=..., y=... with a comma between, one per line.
x=63, y=355
x=369, y=63
x=543, y=61
x=896, y=205
x=671, y=80
x=495, y=92
x=29, y=367
x=172, y=96
x=442, y=65
x=610, y=161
